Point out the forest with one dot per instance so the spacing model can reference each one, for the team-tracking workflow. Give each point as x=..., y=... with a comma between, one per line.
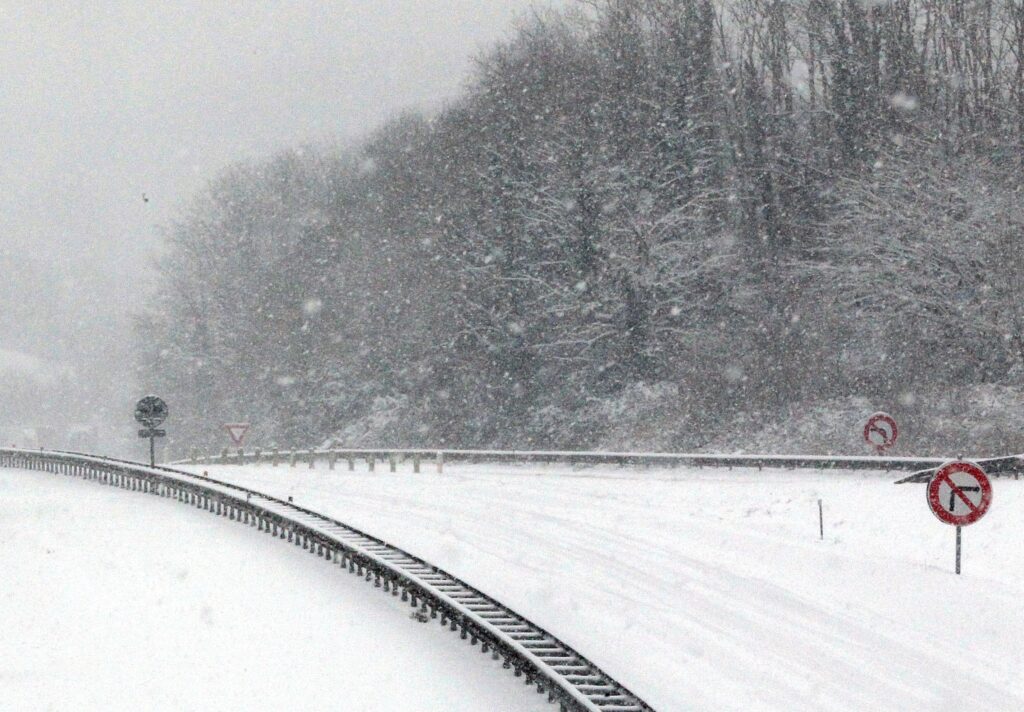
x=644, y=224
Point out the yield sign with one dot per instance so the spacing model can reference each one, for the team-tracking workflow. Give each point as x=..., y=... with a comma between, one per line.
x=237, y=431
x=959, y=493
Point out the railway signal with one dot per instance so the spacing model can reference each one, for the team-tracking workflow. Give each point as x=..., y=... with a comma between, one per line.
x=880, y=432
x=959, y=494
x=151, y=412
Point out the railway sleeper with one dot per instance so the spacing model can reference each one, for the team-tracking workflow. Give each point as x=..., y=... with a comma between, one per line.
x=521, y=637
x=584, y=679
x=554, y=657
x=605, y=690
x=567, y=671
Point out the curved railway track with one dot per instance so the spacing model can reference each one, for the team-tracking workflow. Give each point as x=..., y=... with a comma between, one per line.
x=567, y=677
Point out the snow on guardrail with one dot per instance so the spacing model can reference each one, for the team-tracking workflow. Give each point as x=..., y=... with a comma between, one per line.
x=542, y=660
x=626, y=459
x=921, y=468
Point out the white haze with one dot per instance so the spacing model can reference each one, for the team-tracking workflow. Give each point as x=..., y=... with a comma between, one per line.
x=114, y=113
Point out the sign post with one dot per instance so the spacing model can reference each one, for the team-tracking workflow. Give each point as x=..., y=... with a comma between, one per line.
x=151, y=412
x=880, y=432
x=959, y=494
x=958, y=530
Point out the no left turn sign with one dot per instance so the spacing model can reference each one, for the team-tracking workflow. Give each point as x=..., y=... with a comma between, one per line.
x=959, y=493
x=881, y=431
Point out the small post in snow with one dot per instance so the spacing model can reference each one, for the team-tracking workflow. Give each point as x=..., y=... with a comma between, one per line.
x=440, y=462
x=821, y=522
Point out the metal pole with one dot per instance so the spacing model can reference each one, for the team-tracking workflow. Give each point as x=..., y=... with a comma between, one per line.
x=821, y=522
x=152, y=448
x=958, y=550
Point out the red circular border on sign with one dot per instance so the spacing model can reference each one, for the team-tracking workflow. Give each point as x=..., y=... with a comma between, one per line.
x=885, y=418
x=933, y=493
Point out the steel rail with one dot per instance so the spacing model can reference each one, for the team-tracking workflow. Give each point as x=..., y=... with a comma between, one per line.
x=635, y=459
x=1012, y=465
x=566, y=676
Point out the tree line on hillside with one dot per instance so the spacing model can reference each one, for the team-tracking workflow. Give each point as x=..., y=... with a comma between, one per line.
x=658, y=212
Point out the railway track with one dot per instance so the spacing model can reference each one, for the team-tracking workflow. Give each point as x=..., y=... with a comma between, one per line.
x=554, y=668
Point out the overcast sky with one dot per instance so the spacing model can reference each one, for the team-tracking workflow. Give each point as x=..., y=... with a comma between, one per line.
x=104, y=101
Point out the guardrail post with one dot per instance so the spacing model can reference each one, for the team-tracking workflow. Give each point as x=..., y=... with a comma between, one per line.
x=351, y=463
x=312, y=459
x=416, y=463
x=370, y=462
x=392, y=461
x=256, y=456
x=440, y=461
x=291, y=458
x=332, y=458
x=224, y=456
x=241, y=455
x=273, y=456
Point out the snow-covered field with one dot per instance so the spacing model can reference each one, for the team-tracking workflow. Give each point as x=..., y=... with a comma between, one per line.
x=112, y=600
x=709, y=589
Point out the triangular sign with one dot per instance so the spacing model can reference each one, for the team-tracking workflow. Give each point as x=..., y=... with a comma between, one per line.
x=237, y=431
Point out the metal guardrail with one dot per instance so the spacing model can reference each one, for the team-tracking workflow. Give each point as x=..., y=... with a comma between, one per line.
x=626, y=459
x=1012, y=465
x=921, y=468
x=567, y=677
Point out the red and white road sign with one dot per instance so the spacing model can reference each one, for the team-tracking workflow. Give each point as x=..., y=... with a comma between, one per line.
x=880, y=432
x=959, y=493
x=237, y=431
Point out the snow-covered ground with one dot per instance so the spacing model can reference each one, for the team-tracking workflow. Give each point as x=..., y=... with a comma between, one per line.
x=112, y=600
x=709, y=589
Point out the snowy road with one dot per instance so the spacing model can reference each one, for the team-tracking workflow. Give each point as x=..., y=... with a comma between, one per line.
x=703, y=589
x=113, y=600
